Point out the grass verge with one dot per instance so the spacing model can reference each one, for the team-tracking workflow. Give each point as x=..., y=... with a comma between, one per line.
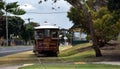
x=23, y=57
x=73, y=50
x=72, y=66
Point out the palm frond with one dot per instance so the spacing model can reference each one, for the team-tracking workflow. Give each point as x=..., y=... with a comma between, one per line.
x=11, y=6
x=1, y=13
x=17, y=11
x=1, y=5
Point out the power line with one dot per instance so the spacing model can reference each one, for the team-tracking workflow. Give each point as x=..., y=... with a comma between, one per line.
x=47, y=12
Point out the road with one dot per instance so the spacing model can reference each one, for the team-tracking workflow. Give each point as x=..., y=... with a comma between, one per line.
x=4, y=51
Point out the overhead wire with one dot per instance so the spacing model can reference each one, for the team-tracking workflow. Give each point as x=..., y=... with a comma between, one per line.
x=46, y=12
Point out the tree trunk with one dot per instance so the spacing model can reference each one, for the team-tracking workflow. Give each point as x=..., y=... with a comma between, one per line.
x=78, y=4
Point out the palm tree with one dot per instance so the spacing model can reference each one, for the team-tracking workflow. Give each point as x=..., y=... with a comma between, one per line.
x=12, y=8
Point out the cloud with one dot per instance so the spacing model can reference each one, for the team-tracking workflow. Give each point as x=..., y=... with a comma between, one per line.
x=27, y=7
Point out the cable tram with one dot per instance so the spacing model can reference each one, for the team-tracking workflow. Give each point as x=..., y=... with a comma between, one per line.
x=46, y=40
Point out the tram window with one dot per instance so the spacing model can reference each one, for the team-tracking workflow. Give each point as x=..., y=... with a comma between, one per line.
x=47, y=33
x=54, y=34
x=39, y=35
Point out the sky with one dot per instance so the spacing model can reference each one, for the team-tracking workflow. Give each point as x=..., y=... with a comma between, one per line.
x=38, y=12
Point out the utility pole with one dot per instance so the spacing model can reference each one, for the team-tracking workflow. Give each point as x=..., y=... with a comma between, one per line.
x=6, y=30
x=29, y=19
x=6, y=26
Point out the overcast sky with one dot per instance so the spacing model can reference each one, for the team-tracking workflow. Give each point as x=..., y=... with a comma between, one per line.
x=35, y=12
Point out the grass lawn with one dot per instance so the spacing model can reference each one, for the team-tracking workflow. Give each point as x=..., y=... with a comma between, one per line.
x=23, y=57
x=73, y=54
x=73, y=50
x=72, y=66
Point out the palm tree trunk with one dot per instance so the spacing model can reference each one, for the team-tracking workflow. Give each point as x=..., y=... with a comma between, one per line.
x=77, y=4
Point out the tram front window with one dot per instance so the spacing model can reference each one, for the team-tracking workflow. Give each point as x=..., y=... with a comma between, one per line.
x=39, y=35
x=47, y=33
x=54, y=34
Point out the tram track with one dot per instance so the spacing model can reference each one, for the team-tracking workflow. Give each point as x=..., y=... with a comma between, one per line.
x=43, y=61
x=47, y=60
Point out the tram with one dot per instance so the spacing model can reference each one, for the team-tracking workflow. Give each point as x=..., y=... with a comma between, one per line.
x=46, y=40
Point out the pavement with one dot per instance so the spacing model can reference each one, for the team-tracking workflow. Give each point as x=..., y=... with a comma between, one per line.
x=4, y=51
x=104, y=62
x=10, y=67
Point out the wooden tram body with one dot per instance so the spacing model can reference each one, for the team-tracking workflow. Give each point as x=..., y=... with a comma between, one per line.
x=46, y=40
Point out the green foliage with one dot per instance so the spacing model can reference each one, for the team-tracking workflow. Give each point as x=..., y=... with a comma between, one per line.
x=102, y=11
x=113, y=5
x=11, y=5
x=12, y=8
x=76, y=16
x=1, y=5
x=17, y=11
x=1, y=13
x=15, y=25
x=106, y=26
x=88, y=37
x=28, y=32
x=103, y=20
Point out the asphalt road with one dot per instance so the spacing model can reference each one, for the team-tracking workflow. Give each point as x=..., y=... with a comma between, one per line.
x=4, y=51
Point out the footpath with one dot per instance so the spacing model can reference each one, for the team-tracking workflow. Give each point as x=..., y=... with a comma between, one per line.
x=104, y=62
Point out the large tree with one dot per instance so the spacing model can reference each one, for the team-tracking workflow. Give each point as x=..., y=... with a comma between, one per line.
x=103, y=22
x=78, y=4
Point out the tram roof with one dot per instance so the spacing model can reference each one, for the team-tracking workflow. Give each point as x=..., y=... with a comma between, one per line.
x=47, y=26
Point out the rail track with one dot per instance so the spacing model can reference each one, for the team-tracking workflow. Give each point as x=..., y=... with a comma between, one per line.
x=43, y=61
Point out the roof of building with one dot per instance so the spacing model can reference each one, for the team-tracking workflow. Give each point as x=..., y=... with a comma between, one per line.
x=47, y=26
